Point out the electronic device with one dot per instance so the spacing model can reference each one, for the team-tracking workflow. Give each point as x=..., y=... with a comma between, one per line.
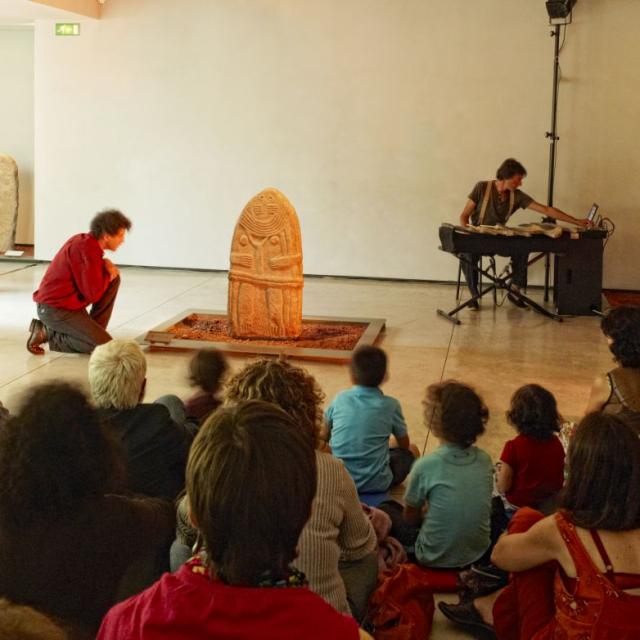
x=591, y=216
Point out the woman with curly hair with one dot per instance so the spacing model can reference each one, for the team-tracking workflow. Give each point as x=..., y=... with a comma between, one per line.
x=619, y=390
x=336, y=550
x=65, y=541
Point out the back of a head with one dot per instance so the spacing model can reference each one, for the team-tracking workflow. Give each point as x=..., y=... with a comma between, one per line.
x=108, y=222
x=207, y=369
x=534, y=412
x=18, y=622
x=509, y=168
x=57, y=455
x=456, y=411
x=251, y=479
x=117, y=370
x=603, y=486
x=288, y=386
x=368, y=366
x=622, y=325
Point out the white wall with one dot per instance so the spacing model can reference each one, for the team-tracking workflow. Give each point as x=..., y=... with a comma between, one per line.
x=16, y=117
x=375, y=118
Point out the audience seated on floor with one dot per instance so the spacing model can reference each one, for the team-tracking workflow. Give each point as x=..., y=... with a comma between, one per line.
x=337, y=547
x=154, y=437
x=449, y=490
x=18, y=622
x=576, y=573
x=66, y=542
x=618, y=391
x=207, y=370
x=531, y=468
x=251, y=481
x=360, y=422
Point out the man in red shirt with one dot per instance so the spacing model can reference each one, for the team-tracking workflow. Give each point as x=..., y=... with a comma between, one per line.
x=79, y=275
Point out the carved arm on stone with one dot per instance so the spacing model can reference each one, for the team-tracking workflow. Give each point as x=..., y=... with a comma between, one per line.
x=242, y=260
x=284, y=262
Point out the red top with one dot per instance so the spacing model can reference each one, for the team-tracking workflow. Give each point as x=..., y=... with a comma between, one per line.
x=538, y=469
x=595, y=608
x=188, y=604
x=77, y=275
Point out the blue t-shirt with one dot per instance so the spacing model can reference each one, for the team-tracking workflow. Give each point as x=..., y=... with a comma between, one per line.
x=456, y=484
x=360, y=420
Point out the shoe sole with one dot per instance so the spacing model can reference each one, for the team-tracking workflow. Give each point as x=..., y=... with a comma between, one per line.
x=35, y=350
x=474, y=626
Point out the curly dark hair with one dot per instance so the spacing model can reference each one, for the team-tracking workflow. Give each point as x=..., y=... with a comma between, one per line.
x=207, y=368
x=457, y=411
x=251, y=479
x=290, y=387
x=534, y=412
x=108, y=222
x=56, y=453
x=603, y=485
x=622, y=325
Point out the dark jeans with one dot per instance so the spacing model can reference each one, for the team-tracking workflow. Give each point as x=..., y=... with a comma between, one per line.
x=518, y=270
x=78, y=331
x=400, y=460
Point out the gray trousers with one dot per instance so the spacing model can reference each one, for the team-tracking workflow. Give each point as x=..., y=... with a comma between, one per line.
x=78, y=331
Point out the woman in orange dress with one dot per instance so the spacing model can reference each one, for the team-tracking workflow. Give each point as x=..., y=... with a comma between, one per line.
x=575, y=574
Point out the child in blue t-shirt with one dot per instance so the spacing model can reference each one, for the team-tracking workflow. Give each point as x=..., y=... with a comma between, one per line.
x=361, y=421
x=449, y=492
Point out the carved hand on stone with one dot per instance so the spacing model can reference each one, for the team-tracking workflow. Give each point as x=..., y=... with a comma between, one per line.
x=242, y=260
x=284, y=262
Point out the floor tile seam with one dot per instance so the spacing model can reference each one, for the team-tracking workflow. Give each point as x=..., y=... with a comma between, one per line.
x=22, y=268
x=30, y=371
x=185, y=291
x=444, y=366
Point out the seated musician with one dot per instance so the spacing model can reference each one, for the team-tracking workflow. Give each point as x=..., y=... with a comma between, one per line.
x=493, y=202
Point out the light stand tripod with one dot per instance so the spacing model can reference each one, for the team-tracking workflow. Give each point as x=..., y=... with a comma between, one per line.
x=553, y=134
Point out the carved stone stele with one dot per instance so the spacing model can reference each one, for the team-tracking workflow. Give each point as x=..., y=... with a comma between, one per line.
x=8, y=202
x=265, y=277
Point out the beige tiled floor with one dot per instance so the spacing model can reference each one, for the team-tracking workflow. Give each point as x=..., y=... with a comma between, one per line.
x=496, y=350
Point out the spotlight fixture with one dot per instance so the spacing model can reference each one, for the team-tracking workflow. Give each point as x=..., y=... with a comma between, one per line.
x=558, y=9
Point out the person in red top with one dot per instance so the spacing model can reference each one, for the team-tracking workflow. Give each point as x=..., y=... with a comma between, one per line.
x=251, y=479
x=576, y=573
x=79, y=275
x=531, y=469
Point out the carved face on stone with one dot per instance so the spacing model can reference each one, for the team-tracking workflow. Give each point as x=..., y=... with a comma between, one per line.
x=265, y=214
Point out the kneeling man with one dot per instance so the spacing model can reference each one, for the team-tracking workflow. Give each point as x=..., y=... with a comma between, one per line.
x=79, y=275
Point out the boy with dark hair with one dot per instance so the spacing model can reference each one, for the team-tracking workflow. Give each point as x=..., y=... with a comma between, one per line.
x=361, y=421
x=249, y=509
x=79, y=275
x=207, y=370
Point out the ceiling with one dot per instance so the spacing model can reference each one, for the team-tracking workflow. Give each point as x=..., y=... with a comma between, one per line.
x=21, y=12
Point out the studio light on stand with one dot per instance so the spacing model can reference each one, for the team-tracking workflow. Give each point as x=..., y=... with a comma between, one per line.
x=560, y=14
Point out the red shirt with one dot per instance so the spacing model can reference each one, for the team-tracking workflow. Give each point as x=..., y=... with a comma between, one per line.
x=77, y=275
x=538, y=469
x=188, y=604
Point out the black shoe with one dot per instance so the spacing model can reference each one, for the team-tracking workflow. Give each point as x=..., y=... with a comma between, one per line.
x=516, y=301
x=474, y=305
x=37, y=336
x=467, y=616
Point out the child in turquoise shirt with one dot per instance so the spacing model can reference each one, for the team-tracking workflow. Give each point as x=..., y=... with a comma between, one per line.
x=449, y=492
x=360, y=422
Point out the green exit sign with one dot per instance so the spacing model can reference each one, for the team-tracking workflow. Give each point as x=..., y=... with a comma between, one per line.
x=67, y=28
